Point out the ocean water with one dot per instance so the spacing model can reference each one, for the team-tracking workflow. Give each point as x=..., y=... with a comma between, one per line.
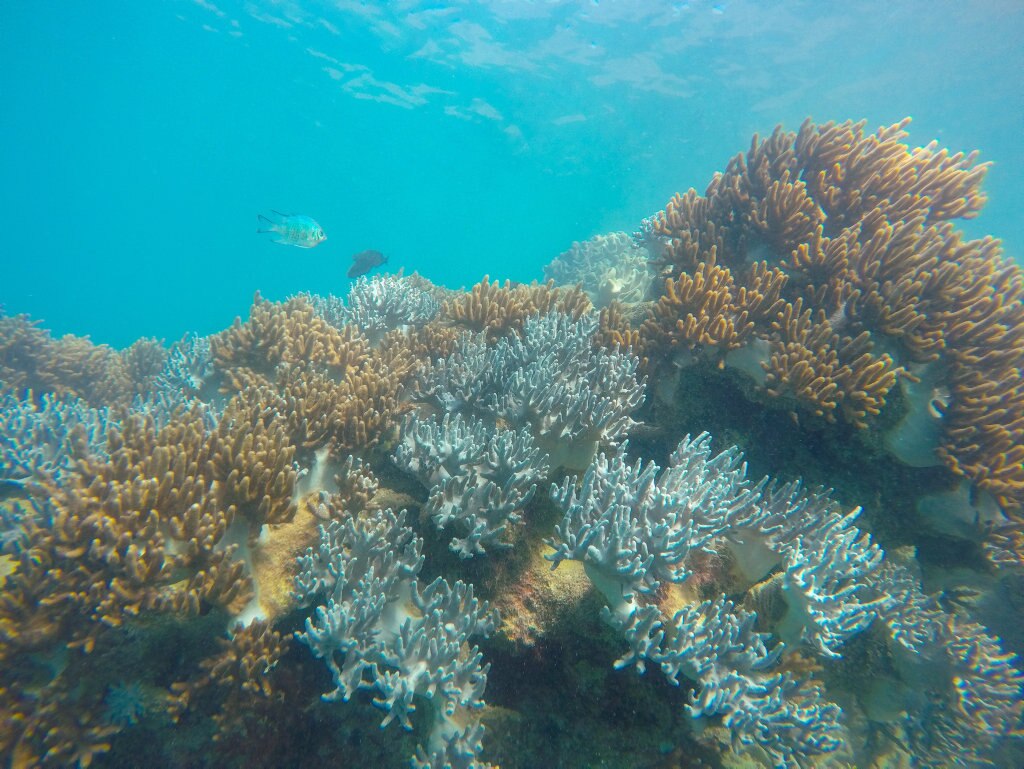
x=742, y=486
x=462, y=139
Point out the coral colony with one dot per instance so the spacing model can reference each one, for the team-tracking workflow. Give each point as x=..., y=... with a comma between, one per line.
x=418, y=526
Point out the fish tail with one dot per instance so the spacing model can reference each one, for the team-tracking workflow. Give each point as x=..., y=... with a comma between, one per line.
x=262, y=221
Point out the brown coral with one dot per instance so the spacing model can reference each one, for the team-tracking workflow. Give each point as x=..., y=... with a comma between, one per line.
x=72, y=366
x=858, y=224
x=239, y=677
x=824, y=371
x=496, y=309
x=147, y=529
x=709, y=310
x=291, y=332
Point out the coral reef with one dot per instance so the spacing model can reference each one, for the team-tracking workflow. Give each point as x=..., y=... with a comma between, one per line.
x=551, y=379
x=242, y=672
x=73, y=367
x=378, y=305
x=824, y=265
x=816, y=311
x=44, y=438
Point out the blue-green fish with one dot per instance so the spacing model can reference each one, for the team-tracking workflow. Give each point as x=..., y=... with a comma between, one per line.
x=292, y=229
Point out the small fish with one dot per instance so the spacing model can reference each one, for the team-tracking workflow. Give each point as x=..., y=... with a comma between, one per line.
x=293, y=230
x=365, y=261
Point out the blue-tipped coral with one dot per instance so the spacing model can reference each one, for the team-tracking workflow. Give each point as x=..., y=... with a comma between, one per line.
x=479, y=480
x=45, y=438
x=381, y=630
x=634, y=528
x=552, y=379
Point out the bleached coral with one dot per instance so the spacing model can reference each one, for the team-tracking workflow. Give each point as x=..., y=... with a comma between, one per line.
x=377, y=305
x=552, y=380
x=45, y=437
x=634, y=528
x=381, y=630
x=610, y=267
x=479, y=479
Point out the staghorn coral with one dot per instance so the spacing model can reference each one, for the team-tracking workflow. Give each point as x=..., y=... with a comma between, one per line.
x=708, y=310
x=825, y=372
x=154, y=525
x=70, y=367
x=634, y=530
x=858, y=228
x=551, y=379
x=381, y=630
x=478, y=479
x=497, y=309
x=292, y=332
x=60, y=726
x=240, y=677
x=962, y=695
x=637, y=531
x=44, y=438
x=387, y=303
x=369, y=401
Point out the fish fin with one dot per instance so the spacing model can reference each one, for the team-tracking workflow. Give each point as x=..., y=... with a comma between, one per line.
x=260, y=219
x=279, y=213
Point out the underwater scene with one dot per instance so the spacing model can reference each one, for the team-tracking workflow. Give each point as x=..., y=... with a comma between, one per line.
x=523, y=384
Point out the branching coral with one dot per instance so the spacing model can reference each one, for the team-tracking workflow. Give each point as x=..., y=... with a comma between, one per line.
x=858, y=228
x=634, y=528
x=388, y=303
x=479, y=479
x=44, y=439
x=74, y=367
x=154, y=525
x=637, y=530
x=825, y=372
x=551, y=380
x=708, y=310
x=240, y=677
x=497, y=309
x=292, y=332
x=381, y=630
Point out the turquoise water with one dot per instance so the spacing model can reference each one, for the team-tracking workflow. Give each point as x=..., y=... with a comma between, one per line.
x=745, y=489
x=141, y=139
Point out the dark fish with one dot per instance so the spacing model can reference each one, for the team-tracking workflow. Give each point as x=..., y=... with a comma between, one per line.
x=365, y=261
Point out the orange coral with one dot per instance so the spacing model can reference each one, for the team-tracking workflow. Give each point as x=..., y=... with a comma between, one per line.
x=858, y=224
x=147, y=529
x=290, y=332
x=826, y=372
x=72, y=366
x=239, y=676
x=497, y=309
x=708, y=309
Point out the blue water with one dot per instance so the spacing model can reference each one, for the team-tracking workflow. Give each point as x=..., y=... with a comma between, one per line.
x=140, y=139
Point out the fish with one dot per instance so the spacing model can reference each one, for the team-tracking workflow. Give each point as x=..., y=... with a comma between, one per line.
x=365, y=261
x=292, y=229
